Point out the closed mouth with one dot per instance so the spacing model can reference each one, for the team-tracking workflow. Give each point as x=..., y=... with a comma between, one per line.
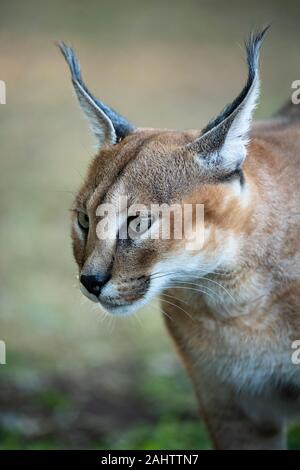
x=114, y=304
x=117, y=305
x=120, y=308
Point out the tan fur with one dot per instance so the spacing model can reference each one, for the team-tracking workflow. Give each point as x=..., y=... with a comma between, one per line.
x=231, y=302
x=247, y=408
x=235, y=337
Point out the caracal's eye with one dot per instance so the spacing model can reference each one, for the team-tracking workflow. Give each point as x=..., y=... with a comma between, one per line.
x=83, y=220
x=138, y=225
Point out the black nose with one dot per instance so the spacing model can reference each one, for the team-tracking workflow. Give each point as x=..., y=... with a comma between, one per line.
x=95, y=283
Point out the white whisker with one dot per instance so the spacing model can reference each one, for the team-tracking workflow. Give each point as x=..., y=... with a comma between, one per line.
x=177, y=306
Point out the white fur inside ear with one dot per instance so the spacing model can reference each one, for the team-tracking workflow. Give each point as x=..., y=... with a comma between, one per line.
x=100, y=124
x=233, y=151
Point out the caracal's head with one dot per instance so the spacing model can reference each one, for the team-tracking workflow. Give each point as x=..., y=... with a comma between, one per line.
x=159, y=206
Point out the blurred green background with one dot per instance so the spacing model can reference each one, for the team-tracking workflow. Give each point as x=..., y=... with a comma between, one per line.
x=74, y=379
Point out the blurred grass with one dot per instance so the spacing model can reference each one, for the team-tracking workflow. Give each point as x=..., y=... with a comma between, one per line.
x=161, y=64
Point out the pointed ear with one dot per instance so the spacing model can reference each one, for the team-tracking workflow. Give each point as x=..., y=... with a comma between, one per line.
x=107, y=125
x=223, y=144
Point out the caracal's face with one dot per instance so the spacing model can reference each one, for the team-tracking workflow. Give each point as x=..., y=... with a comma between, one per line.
x=125, y=256
x=126, y=248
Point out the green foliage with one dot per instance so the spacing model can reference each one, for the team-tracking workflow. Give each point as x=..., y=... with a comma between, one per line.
x=53, y=400
x=10, y=440
x=166, y=434
x=294, y=437
x=13, y=440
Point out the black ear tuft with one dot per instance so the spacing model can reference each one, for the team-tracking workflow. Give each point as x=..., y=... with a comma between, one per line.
x=121, y=126
x=222, y=145
x=252, y=45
